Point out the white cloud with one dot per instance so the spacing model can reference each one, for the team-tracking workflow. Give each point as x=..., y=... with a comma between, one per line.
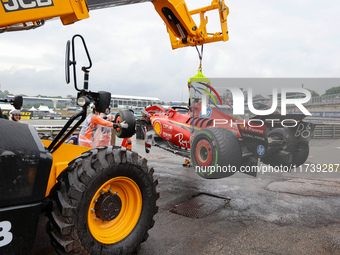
x=131, y=51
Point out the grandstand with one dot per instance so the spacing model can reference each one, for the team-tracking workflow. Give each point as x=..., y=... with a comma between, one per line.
x=118, y=101
x=48, y=101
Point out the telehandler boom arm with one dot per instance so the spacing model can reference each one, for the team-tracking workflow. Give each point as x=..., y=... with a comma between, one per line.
x=181, y=27
x=27, y=14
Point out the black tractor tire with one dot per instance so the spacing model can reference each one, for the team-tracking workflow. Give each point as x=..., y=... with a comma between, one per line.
x=218, y=148
x=103, y=203
x=129, y=118
x=276, y=160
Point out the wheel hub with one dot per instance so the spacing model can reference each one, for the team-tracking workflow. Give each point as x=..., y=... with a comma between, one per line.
x=114, y=210
x=203, y=153
x=108, y=206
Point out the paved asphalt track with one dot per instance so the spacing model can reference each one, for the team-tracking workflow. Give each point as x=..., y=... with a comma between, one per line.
x=275, y=213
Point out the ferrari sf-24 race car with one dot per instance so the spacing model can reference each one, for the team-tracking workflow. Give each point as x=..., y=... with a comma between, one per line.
x=220, y=140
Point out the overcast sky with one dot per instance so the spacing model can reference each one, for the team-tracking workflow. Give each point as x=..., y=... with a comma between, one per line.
x=131, y=50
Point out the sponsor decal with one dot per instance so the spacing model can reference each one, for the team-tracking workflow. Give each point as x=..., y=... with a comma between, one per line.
x=168, y=127
x=182, y=142
x=262, y=138
x=207, y=114
x=157, y=126
x=19, y=5
x=253, y=130
x=325, y=114
x=304, y=130
x=166, y=136
x=260, y=150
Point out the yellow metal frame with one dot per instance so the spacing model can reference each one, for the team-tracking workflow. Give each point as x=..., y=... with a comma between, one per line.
x=61, y=157
x=14, y=12
x=181, y=27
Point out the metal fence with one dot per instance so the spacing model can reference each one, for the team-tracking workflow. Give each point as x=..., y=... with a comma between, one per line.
x=324, y=100
x=53, y=130
x=327, y=131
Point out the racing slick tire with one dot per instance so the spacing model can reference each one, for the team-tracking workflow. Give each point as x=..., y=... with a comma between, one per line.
x=103, y=203
x=274, y=158
x=218, y=149
x=128, y=117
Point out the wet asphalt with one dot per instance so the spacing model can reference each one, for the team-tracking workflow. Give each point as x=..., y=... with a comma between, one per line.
x=274, y=213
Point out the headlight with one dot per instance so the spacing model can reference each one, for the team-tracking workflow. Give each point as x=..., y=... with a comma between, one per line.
x=82, y=101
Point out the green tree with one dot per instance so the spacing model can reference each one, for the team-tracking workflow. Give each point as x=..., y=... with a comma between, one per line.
x=26, y=106
x=40, y=96
x=333, y=90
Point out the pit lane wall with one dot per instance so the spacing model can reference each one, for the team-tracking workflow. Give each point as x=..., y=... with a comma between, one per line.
x=335, y=115
x=322, y=130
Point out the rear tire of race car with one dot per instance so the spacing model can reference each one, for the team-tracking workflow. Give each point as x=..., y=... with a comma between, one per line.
x=275, y=159
x=103, y=203
x=128, y=117
x=301, y=155
x=218, y=148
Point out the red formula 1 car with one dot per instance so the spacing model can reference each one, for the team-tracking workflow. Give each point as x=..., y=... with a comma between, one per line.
x=219, y=144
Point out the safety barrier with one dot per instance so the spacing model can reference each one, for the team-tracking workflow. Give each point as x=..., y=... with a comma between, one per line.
x=322, y=131
x=53, y=130
x=327, y=131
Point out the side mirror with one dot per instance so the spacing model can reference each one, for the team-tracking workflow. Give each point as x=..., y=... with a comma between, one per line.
x=17, y=102
x=67, y=62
